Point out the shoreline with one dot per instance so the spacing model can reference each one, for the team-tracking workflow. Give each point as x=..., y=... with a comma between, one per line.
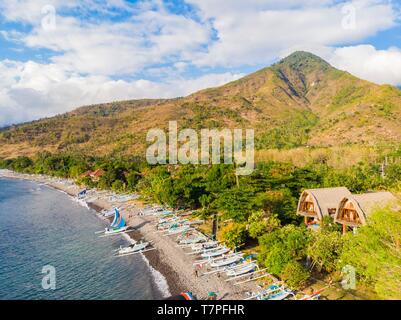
x=169, y=260
x=157, y=269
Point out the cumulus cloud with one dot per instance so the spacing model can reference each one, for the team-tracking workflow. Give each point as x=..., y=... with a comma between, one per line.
x=255, y=31
x=124, y=47
x=366, y=62
x=31, y=90
x=99, y=51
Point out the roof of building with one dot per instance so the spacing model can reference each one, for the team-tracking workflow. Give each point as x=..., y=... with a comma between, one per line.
x=97, y=173
x=326, y=198
x=366, y=203
x=369, y=201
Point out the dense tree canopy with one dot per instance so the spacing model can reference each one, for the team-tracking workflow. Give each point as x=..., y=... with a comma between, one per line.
x=259, y=206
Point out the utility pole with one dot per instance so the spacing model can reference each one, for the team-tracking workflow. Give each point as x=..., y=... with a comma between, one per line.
x=383, y=168
x=236, y=175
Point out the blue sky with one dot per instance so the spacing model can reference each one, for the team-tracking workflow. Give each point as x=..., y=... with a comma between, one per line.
x=57, y=55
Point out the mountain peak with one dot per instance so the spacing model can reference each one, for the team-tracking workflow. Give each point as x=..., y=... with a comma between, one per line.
x=299, y=101
x=303, y=60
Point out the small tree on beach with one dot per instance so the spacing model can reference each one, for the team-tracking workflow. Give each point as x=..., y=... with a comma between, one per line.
x=282, y=246
x=325, y=249
x=295, y=275
x=260, y=223
x=234, y=235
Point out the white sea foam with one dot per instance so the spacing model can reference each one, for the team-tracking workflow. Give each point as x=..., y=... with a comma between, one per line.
x=81, y=202
x=158, y=278
x=128, y=238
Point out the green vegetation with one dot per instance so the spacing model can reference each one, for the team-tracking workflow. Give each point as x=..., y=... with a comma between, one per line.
x=291, y=133
x=283, y=246
x=295, y=275
x=258, y=207
x=301, y=107
x=375, y=253
x=324, y=250
x=300, y=101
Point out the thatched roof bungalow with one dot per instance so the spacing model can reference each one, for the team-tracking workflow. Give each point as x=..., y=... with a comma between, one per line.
x=314, y=204
x=353, y=210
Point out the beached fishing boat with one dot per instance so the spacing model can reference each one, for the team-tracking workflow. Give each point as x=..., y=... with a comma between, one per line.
x=151, y=210
x=204, y=246
x=168, y=220
x=126, y=197
x=189, y=239
x=133, y=248
x=163, y=213
x=172, y=224
x=273, y=292
x=118, y=225
x=247, y=267
x=111, y=231
x=179, y=229
x=226, y=261
x=278, y=295
x=215, y=253
x=82, y=194
x=107, y=213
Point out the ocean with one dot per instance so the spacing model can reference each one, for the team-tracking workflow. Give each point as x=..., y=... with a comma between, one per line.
x=49, y=250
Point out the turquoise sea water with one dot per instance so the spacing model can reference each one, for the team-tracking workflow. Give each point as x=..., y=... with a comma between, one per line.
x=40, y=226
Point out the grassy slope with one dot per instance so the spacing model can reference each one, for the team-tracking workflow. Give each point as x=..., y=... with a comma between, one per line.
x=300, y=101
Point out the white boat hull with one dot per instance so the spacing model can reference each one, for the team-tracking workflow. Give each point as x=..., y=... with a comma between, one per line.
x=241, y=271
x=115, y=231
x=134, y=248
x=225, y=262
x=213, y=254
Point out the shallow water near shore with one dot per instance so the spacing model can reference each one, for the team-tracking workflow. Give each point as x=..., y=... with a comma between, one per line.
x=39, y=227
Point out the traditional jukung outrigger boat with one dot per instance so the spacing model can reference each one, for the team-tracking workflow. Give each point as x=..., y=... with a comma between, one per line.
x=242, y=269
x=171, y=224
x=82, y=194
x=134, y=249
x=177, y=229
x=151, y=210
x=279, y=295
x=157, y=210
x=273, y=292
x=219, y=251
x=215, y=260
x=108, y=213
x=226, y=261
x=190, y=238
x=122, y=197
x=168, y=219
x=199, y=247
x=117, y=226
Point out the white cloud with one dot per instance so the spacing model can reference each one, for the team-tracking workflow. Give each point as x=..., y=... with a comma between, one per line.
x=88, y=54
x=251, y=32
x=33, y=11
x=366, y=62
x=119, y=48
x=31, y=90
x=363, y=61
